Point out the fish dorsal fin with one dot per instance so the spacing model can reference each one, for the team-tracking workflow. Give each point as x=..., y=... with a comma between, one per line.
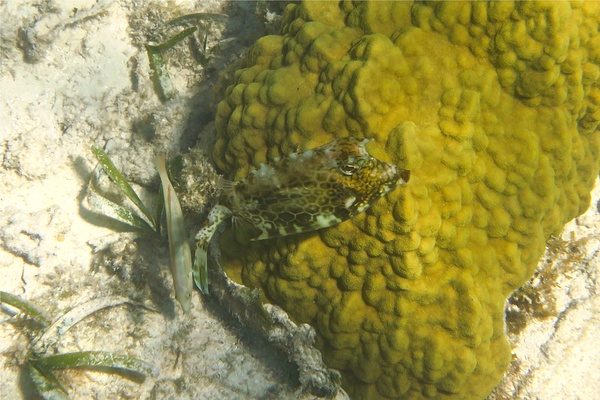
x=225, y=184
x=245, y=231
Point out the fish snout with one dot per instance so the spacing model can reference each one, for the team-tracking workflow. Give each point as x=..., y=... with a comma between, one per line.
x=403, y=177
x=397, y=176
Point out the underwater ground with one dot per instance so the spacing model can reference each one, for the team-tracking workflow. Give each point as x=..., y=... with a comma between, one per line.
x=76, y=74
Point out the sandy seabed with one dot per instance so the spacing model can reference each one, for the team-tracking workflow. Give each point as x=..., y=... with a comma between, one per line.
x=75, y=74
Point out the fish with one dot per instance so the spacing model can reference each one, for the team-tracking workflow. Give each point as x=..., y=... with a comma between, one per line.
x=300, y=192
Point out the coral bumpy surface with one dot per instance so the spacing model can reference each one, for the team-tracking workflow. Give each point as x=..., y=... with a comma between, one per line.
x=493, y=106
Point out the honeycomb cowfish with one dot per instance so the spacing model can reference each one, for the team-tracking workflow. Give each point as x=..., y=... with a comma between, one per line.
x=300, y=192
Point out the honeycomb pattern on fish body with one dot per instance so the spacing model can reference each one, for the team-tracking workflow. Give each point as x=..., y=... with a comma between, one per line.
x=314, y=189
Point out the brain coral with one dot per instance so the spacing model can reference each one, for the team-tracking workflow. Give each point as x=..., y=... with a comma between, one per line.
x=493, y=106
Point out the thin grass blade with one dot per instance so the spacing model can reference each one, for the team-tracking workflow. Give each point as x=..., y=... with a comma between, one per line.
x=110, y=209
x=65, y=322
x=160, y=76
x=25, y=306
x=179, y=248
x=192, y=18
x=122, y=183
x=46, y=383
x=107, y=208
x=113, y=362
x=160, y=210
x=173, y=41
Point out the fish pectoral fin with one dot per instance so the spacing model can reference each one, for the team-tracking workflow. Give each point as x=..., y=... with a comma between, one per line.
x=200, y=268
x=245, y=231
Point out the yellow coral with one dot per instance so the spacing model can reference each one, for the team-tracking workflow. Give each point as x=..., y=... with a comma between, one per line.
x=493, y=106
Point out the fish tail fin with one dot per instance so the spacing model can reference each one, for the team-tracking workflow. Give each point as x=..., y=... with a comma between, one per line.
x=200, y=268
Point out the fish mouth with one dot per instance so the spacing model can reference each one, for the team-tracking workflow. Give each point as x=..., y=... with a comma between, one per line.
x=397, y=176
x=403, y=177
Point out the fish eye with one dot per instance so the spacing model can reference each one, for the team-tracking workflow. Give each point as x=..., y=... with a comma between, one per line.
x=349, y=168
